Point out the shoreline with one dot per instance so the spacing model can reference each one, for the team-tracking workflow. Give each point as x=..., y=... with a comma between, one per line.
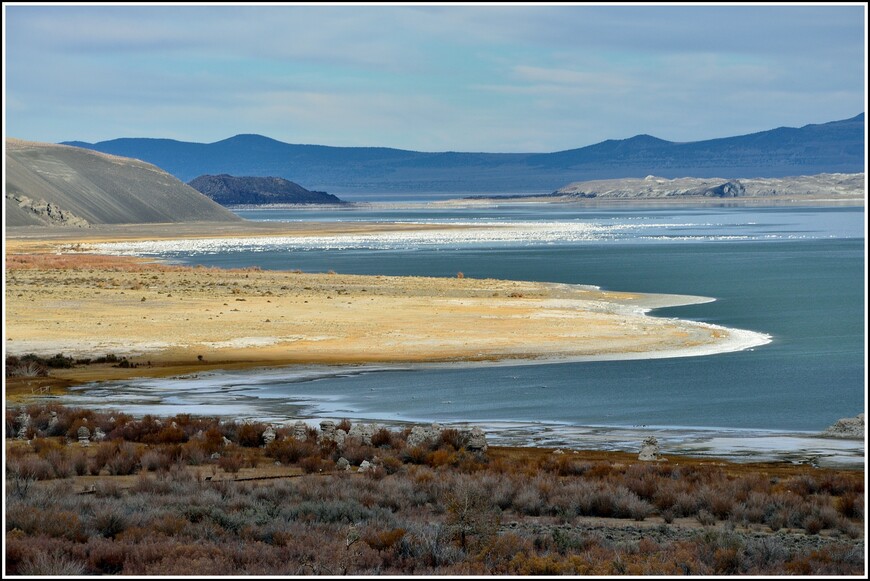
x=548, y=303
x=237, y=395
x=87, y=305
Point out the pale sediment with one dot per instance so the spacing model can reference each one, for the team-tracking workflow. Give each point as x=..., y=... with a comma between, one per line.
x=84, y=305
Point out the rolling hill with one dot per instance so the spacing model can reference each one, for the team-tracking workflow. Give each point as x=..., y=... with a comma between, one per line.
x=59, y=185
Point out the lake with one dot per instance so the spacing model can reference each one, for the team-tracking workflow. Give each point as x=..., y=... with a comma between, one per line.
x=796, y=274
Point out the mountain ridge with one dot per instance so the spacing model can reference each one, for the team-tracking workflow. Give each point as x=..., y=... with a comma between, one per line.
x=831, y=147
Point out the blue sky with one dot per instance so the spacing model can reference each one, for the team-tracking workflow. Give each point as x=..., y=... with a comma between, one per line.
x=431, y=78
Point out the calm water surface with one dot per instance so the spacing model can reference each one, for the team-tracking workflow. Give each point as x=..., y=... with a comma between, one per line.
x=794, y=273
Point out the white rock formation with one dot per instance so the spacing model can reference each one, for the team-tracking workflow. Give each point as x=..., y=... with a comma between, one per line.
x=851, y=428
x=649, y=451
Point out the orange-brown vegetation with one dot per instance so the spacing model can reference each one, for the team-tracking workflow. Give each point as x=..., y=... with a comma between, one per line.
x=194, y=495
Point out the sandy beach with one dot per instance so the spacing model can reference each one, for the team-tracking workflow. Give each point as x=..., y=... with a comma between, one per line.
x=169, y=318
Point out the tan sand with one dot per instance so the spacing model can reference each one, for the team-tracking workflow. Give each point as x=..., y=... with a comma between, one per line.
x=175, y=317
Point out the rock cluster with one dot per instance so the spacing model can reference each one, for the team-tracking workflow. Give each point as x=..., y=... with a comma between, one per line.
x=852, y=428
x=329, y=433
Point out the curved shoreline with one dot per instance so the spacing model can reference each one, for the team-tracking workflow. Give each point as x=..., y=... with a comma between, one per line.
x=440, y=320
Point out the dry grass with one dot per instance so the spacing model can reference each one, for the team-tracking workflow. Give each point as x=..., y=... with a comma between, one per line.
x=154, y=483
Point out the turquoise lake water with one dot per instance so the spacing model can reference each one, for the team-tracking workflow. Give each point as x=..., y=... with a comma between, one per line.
x=797, y=274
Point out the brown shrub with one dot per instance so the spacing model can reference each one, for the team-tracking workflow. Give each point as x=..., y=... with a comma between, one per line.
x=291, y=451
x=28, y=468
x=851, y=505
x=383, y=540
x=106, y=557
x=212, y=441
x=382, y=438
x=250, y=435
x=167, y=435
x=414, y=455
x=231, y=463
x=312, y=464
x=124, y=460
x=452, y=438
x=442, y=457
x=391, y=464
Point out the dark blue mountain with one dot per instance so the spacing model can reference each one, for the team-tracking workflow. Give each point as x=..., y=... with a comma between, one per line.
x=832, y=147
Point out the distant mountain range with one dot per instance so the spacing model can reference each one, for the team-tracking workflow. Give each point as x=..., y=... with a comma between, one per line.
x=56, y=185
x=835, y=147
x=228, y=190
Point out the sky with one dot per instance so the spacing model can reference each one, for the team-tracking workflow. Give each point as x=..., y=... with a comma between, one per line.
x=509, y=78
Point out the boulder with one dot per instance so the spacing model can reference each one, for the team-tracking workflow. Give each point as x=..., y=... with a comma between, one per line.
x=424, y=436
x=477, y=440
x=362, y=433
x=327, y=432
x=300, y=431
x=269, y=435
x=649, y=450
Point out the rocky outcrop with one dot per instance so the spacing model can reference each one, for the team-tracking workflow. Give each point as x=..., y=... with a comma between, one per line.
x=851, y=428
x=476, y=440
x=84, y=436
x=362, y=433
x=329, y=433
x=269, y=435
x=649, y=450
x=229, y=190
x=424, y=435
x=45, y=212
x=300, y=431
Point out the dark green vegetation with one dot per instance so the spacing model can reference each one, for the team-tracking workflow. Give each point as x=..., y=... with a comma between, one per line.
x=56, y=185
x=198, y=496
x=32, y=365
x=835, y=147
x=229, y=190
